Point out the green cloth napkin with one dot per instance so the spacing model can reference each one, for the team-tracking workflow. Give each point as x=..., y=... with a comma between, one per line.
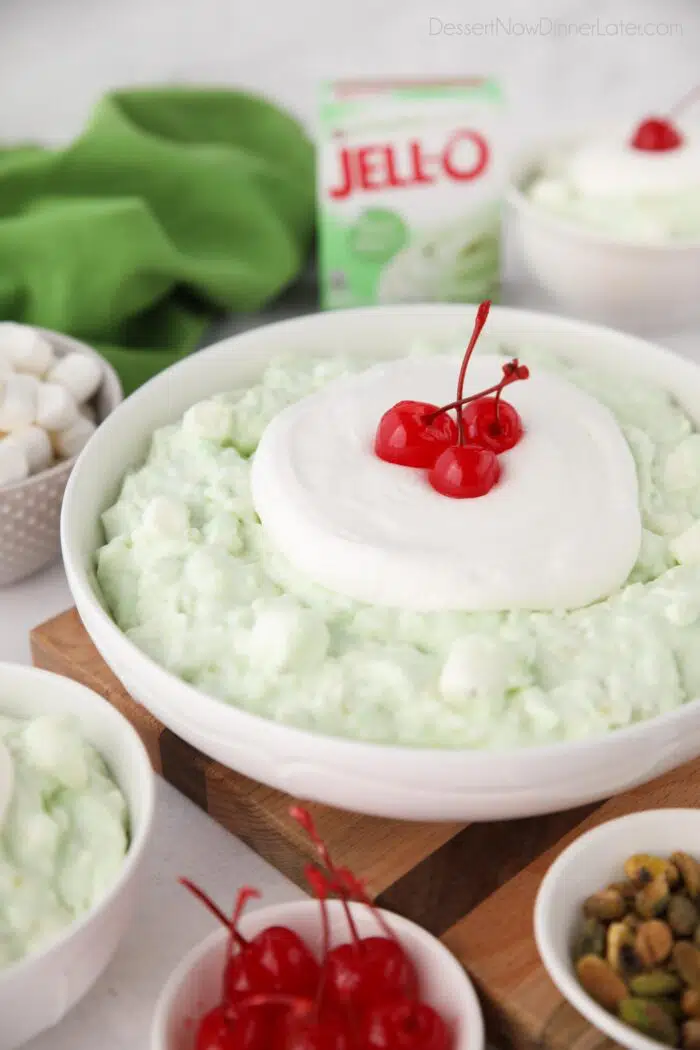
x=174, y=205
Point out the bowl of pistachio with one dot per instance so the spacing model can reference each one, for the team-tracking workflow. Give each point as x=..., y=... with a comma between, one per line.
x=617, y=925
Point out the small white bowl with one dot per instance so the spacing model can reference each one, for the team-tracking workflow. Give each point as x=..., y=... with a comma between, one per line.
x=592, y=862
x=39, y=990
x=30, y=510
x=598, y=277
x=195, y=986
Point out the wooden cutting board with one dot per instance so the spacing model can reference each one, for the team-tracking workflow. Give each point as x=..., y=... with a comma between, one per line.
x=472, y=884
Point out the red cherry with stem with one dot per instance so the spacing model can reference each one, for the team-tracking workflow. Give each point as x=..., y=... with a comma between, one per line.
x=657, y=135
x=285, y=961
x=404, y=437
x=367, y=972
x=404, y=1025
x=660, y=134
x=367, y=969
x=275, y=960
x=465, y=472
x=492, y=422
x=496, y=426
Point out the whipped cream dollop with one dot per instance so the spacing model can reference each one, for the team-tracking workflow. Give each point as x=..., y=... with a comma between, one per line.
x=561, y=529
x=607, y=183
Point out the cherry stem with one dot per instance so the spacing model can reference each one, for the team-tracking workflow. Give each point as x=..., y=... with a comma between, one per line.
x=245, y=894
x=357, y=890
x=497, y=400
x=511, y=377
x=319, y=884
x=685, y=101
x=304, y=818
x=481, y=315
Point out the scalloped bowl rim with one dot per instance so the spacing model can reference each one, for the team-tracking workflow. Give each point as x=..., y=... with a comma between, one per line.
x=111, y=388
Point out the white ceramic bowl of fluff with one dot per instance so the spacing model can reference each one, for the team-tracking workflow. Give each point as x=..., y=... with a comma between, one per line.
x=591, y=862
x=410, y=783
x=39, y=990
x=641, y=287
x=195, y=986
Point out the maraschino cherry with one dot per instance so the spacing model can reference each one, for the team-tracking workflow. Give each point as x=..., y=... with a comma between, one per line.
x=403, y=1025
x=493, y=422
x=404, y=437
x=461, y=458
x=364, y=996
x=465, y=472
x=275, y=960
x=657, y=135
x=368, y=969
x=660, y=134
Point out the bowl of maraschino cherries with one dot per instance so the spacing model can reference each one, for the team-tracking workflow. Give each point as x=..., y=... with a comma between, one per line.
x=608, y=221
x=334, y=973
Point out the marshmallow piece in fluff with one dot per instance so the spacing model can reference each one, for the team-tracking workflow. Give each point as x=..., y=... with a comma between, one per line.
x=25, y=349
x=56, y=408
x=68, y=443
x=18, y=401
x=36, y=445
x=79, y=374
x=14, y=465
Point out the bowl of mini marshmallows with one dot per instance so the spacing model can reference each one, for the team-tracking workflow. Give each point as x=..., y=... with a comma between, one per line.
x=54, y=392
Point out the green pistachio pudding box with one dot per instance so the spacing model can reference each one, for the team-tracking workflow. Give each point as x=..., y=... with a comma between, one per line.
x=409, y=187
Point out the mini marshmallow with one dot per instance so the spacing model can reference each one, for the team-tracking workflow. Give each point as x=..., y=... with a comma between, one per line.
x=79, y=374
x=18, y=401
x=36, y=445
x=13, y=463
x=56, y=408
x=25, y=349
x=68, y=443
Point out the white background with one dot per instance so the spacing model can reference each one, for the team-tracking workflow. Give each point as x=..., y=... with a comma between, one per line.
x=58, y=56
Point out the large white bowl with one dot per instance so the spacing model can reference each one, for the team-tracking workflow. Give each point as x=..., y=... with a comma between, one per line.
x=412, y=783
x=195, y=986
x=600, y=277
x=587, y=865
x=39, y=990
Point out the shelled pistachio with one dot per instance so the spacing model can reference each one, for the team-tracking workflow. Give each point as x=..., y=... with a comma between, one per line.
x=637, y=950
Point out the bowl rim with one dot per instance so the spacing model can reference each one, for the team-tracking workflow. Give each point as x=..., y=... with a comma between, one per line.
x=137, y=843
x=79, y=576
x=515, y=196
x=554, y=964
x=272, y=914
x=113, y=389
